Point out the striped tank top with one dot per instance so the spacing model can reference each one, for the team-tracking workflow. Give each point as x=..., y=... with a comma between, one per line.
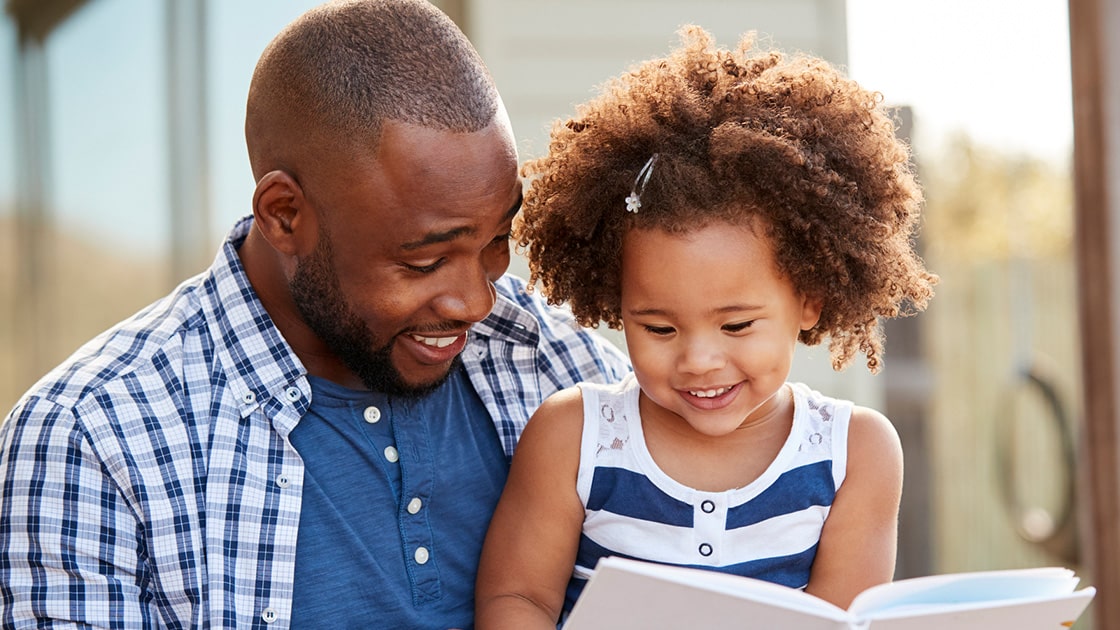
x=768, y=529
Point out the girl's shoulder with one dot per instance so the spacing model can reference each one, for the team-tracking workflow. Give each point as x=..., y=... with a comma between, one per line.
x=559, y=409
x=872, y=435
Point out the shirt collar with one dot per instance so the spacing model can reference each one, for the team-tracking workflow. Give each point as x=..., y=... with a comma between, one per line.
x=258, y=362
x=508, y=320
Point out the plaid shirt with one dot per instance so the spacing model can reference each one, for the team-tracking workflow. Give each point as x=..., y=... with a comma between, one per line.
x=149, y=481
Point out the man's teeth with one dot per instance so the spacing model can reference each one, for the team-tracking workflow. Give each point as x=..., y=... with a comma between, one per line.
x=709, y=393
x=438, y=342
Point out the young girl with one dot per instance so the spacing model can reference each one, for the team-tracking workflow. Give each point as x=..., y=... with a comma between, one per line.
x=719, y=207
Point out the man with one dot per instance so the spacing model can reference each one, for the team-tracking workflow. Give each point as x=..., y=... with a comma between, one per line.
x=314, y=431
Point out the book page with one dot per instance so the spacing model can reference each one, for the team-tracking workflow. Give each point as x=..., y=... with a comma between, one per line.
x=625, y=594
x=1053, y=613
x=962, y=588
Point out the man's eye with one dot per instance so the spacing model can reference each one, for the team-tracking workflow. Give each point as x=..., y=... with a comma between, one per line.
x=424, y=268
x=501, y=239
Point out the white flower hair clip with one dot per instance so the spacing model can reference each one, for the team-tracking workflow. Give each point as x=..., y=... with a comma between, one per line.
x=634, y=199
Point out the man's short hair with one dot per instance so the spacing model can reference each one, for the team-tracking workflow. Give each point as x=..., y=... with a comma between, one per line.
x=333, y=75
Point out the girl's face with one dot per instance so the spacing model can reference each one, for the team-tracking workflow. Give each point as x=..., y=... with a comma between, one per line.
x=710, y=324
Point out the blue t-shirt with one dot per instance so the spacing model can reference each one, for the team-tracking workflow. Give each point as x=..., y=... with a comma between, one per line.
x=397, y=497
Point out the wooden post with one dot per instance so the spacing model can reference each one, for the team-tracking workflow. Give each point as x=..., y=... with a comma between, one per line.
x=1095, y=61
x=906, y=399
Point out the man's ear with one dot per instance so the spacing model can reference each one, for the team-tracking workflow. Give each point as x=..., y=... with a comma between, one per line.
x=283, y=215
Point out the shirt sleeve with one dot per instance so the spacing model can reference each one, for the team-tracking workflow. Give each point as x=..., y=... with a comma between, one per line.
x=70, y=546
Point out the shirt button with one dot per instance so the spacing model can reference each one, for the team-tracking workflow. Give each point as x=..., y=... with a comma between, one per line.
x=293, y=393
x=705, y=549
x=269, y=615
x=422, y=555
x=708, y=506
x=371, y=414
x=282, y=481
x=249, y=398
x=414, y=505
x=391, y=454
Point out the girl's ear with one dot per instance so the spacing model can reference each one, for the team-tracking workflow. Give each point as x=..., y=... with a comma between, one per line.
x=810, y=311
x=283, y=215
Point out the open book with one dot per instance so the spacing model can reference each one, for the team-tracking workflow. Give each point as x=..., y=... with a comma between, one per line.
x=631, y=594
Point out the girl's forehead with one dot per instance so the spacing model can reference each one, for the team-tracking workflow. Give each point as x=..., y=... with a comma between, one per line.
x=717, y=242
x=717, y=268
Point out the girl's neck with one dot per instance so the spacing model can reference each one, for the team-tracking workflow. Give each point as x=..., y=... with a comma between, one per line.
x=718, y=463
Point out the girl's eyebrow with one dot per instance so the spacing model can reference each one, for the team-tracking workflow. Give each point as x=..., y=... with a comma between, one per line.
x=730, y=308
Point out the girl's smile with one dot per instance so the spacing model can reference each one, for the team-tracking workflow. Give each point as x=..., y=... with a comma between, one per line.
x=711, y=398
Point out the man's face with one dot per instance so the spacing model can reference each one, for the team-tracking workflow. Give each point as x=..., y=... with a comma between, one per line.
x=409, y=245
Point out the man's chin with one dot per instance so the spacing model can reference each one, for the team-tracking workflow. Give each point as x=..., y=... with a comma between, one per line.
x=414, y=385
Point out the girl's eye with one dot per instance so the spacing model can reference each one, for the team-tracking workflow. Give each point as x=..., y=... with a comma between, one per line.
x=741, y=326
x=659, y=330
x=424, y=268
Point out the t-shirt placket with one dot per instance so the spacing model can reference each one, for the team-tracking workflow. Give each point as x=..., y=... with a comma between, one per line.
x=417, y=482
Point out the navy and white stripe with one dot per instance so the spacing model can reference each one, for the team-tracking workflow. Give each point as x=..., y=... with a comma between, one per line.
x=768, y=529
x=148, y=481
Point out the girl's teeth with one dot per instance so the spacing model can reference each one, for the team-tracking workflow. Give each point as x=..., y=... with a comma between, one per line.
x=709, y=393
x=438, y=342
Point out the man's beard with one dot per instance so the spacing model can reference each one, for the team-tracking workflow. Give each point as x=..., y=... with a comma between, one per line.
x=318, y=296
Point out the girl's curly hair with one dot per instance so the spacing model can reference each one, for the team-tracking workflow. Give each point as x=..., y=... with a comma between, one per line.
x=746, y=137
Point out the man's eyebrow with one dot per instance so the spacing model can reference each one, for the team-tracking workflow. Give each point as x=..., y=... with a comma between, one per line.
x=450, y=235
x=438, y=237
x=515, y=208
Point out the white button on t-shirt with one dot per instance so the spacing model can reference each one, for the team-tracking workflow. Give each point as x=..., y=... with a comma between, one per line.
x=391, y=454
x=371, y=414
x=421, y=555
x=414, y=505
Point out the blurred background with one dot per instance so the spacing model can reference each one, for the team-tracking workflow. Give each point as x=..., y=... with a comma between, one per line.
x=122, y=165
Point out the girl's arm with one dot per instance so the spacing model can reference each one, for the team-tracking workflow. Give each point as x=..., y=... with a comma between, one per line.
x=530, y=549
x=860, y=537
